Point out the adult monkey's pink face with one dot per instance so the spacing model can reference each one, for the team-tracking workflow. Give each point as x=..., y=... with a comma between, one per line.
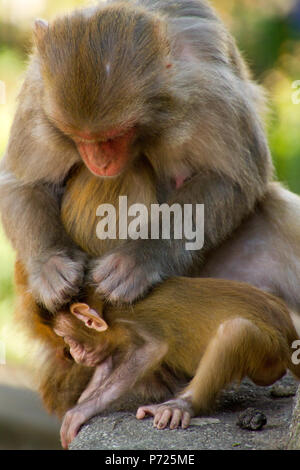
x=109, y=155
x=105, y=152
x=103, y=83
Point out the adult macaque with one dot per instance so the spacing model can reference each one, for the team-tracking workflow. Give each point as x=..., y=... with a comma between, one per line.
x=125, y=84
x=213, y=331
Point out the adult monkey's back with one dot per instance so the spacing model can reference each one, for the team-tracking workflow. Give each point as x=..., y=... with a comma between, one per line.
x=151, y=83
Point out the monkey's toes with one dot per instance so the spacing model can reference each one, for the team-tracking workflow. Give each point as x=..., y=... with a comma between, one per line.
x=166, y=415
x=145, y=411
x=71, y=425
x=174, y=417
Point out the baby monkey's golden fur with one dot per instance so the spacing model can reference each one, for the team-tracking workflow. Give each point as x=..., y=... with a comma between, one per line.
x=210, y=331
x=234, y=329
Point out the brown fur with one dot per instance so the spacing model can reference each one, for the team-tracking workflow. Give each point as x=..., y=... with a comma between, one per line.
x=61, y=381
x=209, y=330
x=200, y=116
x=85, y=192
x=184, y=313
x=172, y=71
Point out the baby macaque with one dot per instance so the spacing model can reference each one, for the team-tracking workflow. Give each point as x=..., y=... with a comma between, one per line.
x=210, y=331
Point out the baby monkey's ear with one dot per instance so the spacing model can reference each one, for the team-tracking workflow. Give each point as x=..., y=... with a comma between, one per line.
x=89, y=317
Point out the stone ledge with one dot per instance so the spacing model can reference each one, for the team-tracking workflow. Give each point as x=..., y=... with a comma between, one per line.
x=294, y=441
x=121, y=430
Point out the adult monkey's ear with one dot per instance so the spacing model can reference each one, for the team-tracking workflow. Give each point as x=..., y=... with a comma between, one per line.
x=89, y=317
x=40, y=29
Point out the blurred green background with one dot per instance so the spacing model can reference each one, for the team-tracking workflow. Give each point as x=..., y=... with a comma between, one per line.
x=268, y=33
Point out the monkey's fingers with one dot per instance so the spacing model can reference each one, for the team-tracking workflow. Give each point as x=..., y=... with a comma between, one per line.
x=186, y=420
x=121, y=277
x=176, y=419
x=108, y=265
x=72, y=422
x=57, y=280
x=145, y=411
x=174, y=416
x=164, y=414
x=164, y=418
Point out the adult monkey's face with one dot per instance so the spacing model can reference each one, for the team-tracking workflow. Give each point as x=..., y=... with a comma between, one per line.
x=106, y=154
x=103, y=77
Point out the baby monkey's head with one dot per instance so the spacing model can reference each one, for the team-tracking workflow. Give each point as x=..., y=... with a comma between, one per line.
x=82, y=329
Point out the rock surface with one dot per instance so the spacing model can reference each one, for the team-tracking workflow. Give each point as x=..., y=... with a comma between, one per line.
x=294, y=441
x=121, y=431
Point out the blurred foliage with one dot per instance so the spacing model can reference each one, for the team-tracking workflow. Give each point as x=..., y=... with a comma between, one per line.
x=268, y=33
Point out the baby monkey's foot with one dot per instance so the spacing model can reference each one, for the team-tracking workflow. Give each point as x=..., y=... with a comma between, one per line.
x=175, y=413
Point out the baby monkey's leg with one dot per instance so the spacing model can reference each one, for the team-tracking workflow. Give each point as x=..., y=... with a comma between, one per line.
x=238, y=349
x=101, y=374
x=138, y=362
